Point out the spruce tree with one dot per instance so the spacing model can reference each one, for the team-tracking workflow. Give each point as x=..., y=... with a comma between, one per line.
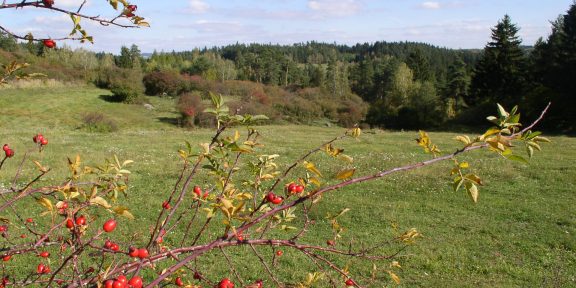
x=500, y=75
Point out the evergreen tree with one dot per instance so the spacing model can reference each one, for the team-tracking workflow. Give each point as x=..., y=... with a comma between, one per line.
x=500, y=74
x=125, y=59
x=456, y=88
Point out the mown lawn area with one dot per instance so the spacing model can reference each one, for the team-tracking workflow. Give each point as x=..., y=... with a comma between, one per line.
x=522, y=233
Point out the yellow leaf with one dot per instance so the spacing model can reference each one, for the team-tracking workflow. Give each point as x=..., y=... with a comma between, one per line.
x=123, y=211
x=472, y=191
x=464, y=139
x=346, y=158
x=395, y=264
x=46, y=203
x=312, y=168
x=394, y=277
x=40, y=167
x=464, y=165
x=345, y=174
x=100, y=201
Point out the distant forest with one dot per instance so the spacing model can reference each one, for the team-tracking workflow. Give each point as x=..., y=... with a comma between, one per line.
x=402, y=85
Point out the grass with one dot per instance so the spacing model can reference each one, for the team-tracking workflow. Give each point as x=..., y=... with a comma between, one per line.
x=521, y=233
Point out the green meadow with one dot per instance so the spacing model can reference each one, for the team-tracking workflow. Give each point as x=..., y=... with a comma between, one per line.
x=521, y=233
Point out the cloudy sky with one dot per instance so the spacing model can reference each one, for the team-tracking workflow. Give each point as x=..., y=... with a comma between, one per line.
x=186, y=24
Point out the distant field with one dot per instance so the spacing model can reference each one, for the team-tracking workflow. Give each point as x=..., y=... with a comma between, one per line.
x=522, y=233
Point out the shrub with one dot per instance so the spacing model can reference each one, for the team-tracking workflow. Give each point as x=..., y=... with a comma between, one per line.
x=98, y=122
x=190, y=107
x=126, y=93
x=160, y=83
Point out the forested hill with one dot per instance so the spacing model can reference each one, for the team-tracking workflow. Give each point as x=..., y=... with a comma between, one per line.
x=403, y=85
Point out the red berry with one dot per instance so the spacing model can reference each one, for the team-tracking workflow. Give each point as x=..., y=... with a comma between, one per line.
x=3, y=228
x=64, y=205
x=114, y=247
x=109, y=283
x=197, y=191
x=49, y=43
x=132, y=7
x=122, y=279
x=226, y=283
x=143, y=253
x=330, y=242
x=108, y=244
x=136, y=282
x=6, y=258
x=299, y=189
x=44, y=142
x=179, y=282
x=40, y=268
x=197, y=275
x=48, y=3
x=133, y=252
x=29, y=220
x=109, y=225
x=118, y=284
x=206, y=194
x=270, y=197
x=166, y=205
x=44, y=254
x=279, y=253
x=81, y=220
x=9, y=153
x=22, y=236
x=292, y=188
x=258, y=283
x=277, y=200
x=349, y=282
x=5, y=147
x=159, y=240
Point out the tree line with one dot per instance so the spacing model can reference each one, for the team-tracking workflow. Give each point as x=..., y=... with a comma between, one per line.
x=405, y=84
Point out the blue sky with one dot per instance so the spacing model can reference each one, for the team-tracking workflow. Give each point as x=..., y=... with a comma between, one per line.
x=186, y=24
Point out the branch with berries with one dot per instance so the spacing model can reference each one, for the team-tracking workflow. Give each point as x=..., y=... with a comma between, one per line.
x=125, y=17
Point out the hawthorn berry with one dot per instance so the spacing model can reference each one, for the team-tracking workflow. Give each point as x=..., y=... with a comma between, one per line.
x=350, y=282
x=198, y=191
x=108, y=244
x=135, y=282
x=122, y=279
x=279, y=253
x=277, y=200
x=226, y=283
x=49, y=43
x=114, y=247
x=69, y=223
x=6, y=258
x=299, y=188
x=132, y=7
x=41, y=268
x=29, y=220
x=7, y=151
x=133, y=252
x=292, y=187
x=270, y=197
x=5, y=147
x=44, y=142
x=44, y=254
x=179, y=282
x=81, y=220
x=109, y=283
x=3, y=228
x=330, y=242
x=143, y=253
x=166, y=205
x=48, y=3
x=109, y=225
x=197, y=275
x=118, y=284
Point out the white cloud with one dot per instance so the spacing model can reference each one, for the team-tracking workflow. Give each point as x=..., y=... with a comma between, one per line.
x=335, y=7
x=430, y=5
x=199, y=6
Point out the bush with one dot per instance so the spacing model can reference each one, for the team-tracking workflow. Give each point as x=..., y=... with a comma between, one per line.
x=160, y=83
x=98, y=122
x=126, y=93
x=190, y=107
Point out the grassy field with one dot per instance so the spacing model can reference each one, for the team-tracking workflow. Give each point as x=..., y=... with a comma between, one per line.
x=522, y=233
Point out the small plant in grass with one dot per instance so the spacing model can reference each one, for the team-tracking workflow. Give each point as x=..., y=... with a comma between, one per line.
x=98, y=122
x=249, y=200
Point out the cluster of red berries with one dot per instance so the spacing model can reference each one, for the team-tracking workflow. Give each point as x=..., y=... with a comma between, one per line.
x=294, y=188
x=40, y=140
x=123, y=282
x=8, y=151
x=141, y=253
x=111, y=245
x=273, y=198
x=198, y=192
x=62, y=208
x=42, y=269
x=80, y=221
x=129, y=11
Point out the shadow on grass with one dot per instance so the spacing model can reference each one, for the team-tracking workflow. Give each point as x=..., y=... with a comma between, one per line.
x=110, y=98
x=176, y=121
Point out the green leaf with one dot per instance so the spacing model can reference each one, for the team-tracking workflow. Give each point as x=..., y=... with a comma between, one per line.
x=501, y=111
x=517, y=158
